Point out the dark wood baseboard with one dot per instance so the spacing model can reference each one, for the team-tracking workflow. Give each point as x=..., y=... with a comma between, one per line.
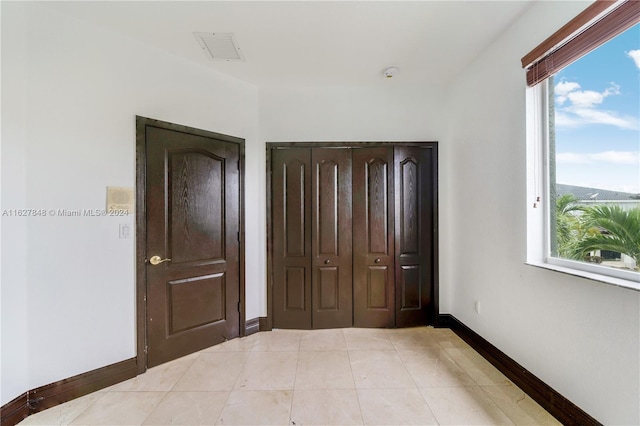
x=264, y=324
x=15, y=411
x=255, y=325
x=251, y=326
x=65, y=390
x=557, y=405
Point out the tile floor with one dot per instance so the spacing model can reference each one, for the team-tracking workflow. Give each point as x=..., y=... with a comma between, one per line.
x=417, y=376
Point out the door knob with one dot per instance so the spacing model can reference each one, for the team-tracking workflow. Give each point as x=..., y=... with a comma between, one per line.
x=326, y=262
x=377, y=260
x=156, y=260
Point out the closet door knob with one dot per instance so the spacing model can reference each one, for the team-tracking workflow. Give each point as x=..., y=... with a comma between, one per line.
x=378, y=260
x=326, y=262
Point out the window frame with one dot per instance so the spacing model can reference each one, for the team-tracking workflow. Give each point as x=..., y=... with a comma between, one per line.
x=594, y=26
x=539, y=226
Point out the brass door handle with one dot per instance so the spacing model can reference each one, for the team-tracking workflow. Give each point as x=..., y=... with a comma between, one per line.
x=156, y=260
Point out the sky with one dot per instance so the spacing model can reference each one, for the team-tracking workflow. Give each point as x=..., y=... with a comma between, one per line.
x=597, y=106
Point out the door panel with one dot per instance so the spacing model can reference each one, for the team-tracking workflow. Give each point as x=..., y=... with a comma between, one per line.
x=414, y=235
x=331, y=263
x=291, y=192
x=193, y=220
x=373, y=253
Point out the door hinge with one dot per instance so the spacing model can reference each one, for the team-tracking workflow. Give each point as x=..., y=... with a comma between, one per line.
x=238, y=306
x=238, y=164
x=146, y=349
x=238, y=235
x=145, y=298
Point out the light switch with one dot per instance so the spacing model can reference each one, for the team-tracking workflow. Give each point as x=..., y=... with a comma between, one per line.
x=125, y=231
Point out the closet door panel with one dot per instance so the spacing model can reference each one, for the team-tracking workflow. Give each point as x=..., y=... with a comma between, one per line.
x=291, y=192
x=414, y=234
x=331, y=265
x=373, y=243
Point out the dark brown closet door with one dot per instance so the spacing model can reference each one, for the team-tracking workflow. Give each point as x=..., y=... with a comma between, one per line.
x=373, y=252
x=291, y=192
x=414, y=233
x=331, y=265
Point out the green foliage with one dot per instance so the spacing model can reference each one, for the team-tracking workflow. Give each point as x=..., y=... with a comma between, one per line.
x=581, y=230
x=569, y=229
x=612, y=228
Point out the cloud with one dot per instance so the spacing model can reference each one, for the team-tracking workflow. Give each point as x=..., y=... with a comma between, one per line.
x=635, y=55
x=589, y=98
x=588, y=115
x=563, y=88
x=609, y=157
x=583, y=107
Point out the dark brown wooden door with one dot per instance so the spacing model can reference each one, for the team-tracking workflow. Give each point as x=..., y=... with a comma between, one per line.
x=414, y=230
x=373, y=242
x=331, y=255
x=192, y=188
x=291, y=210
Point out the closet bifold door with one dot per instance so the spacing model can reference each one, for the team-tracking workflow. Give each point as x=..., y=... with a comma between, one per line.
x=373, y=242
x=414, y=219
x=331, y=260
x=291, y=215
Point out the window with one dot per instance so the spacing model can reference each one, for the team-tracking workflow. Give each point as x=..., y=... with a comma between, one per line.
x=584, y=155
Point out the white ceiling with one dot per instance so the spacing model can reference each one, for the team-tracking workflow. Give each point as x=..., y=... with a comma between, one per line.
x=321, y=43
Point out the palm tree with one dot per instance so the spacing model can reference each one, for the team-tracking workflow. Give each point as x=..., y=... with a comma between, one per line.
x=569, y=229
x=610, y=227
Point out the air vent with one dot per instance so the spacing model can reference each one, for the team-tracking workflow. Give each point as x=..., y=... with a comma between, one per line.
x=219, y=46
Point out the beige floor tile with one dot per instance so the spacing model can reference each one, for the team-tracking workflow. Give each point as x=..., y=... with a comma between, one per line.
x=63, y=414
x=325, y=407
x=395, y=407
x=433, y=368
x=339, y=377
x=480, y=370
x=464, y=406
x=413, y=338
x=324, y=370
x=367, y=339
x=120, y=408
x=257, y=408
x=160, y=378
x=239, y=344
x=520, y=408
x=278, y=341
x=379, y=370
x=188, y=408
x=448, y=339
x=268, y=371
x=323, y=340
x=212, y=371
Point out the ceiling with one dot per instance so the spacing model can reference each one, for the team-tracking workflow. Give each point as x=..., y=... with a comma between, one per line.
x=320, y=43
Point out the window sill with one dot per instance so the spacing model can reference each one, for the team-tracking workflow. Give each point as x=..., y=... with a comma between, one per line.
x=618, y=282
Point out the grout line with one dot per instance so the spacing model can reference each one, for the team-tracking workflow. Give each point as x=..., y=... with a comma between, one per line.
x=418, y=387
x=355, y=387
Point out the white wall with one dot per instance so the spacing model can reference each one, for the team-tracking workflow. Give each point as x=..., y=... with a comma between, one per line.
x=70, y=95
x=389, y=112
x=13, y=334
x=580, y=337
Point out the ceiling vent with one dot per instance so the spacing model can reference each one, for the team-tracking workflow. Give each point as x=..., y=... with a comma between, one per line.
x=219, y=46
